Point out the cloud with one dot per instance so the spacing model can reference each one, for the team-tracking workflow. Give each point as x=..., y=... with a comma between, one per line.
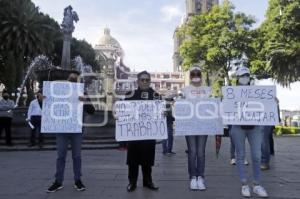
x=171, y=12
x=145, y=38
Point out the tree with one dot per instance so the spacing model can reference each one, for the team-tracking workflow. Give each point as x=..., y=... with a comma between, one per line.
x=24, y=33
x=278, y=54
x=86, y=51
x=217, y=39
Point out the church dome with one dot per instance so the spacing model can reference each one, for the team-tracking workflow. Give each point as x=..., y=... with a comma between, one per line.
x=108, y=41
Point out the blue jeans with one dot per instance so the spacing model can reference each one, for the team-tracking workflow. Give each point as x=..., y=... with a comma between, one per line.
x=196, y=155
x=62, y=141
x=265, y=147
x=254, y=137
x=232, y=148
x=168, y=144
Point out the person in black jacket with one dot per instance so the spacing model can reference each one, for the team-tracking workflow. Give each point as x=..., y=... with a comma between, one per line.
x=62, y=141
x=168, y=143
x=141, y=152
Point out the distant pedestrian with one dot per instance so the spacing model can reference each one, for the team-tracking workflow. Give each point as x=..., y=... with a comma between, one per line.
x=168, y=143
x=34, y=116
x=6, y=115
x=267, y=147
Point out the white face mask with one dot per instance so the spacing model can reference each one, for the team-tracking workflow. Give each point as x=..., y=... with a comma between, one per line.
x=196, y=80
x=244, y=80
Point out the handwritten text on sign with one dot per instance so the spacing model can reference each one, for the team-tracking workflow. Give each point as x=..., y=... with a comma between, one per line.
x=250, y=105
x=140, y=120
x=62, y=110
x=198, y=117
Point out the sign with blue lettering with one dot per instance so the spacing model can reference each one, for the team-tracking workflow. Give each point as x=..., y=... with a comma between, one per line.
x=250, y=105
x=62, y=111
x=140, y=120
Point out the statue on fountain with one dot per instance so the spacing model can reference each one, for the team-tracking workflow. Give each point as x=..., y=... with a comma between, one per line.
x=68, y=21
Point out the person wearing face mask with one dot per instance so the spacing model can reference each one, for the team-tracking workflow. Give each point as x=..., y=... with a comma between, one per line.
x=34, y=116
x=196, y=144
x=141, y=152
x=62, y=142
x=254, y=134
x=6, y=114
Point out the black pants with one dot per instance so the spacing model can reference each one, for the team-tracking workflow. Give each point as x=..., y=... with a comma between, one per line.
x=5, y=123
x=133, y=173
x=36, y=122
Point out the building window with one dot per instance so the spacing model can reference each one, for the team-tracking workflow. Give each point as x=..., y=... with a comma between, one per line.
x=166, y=76
x=168, y=85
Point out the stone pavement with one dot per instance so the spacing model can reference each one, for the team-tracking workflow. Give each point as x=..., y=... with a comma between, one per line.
x=27, y=175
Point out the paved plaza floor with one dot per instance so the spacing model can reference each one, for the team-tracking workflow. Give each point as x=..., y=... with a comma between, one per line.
x=27, y=175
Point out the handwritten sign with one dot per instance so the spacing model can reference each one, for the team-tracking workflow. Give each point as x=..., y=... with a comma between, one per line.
x=192, y=92
x=250, y=105
x=198, y=117
x=140, y=120
x=62, y=111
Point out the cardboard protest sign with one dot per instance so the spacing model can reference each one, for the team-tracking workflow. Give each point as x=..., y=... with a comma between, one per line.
x=249, y=105
x=198, y=117
x=140, y=120
x=62, y=111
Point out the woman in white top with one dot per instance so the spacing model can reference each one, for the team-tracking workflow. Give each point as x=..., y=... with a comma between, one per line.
x=196, y=144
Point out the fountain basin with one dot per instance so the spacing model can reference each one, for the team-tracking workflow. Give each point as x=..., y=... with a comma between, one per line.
x=54, y=74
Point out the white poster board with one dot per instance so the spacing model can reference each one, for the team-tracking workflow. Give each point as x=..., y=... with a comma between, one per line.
x=62, y=111
x=198, y=117
x=250, y=105
x=140, y=120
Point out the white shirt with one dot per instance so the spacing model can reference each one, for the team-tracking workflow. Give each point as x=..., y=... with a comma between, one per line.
x=191, y=92
x=34, y=109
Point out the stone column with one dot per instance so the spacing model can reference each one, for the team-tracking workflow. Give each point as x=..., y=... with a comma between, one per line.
x=66, y=53
x=109, y=84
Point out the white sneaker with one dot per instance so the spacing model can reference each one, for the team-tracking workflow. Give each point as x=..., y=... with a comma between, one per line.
x=200, y=184
x=233, y=161
x=246, y=162
x=193, y=184
x=260, y=191
x=246, y=191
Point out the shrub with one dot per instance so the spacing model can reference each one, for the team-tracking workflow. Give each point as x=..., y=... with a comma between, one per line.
x=284, y=130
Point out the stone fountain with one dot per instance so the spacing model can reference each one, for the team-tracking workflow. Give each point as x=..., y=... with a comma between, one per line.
x=62, y=72
x=41, y=67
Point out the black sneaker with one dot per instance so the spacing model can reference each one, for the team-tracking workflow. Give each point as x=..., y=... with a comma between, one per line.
x=54, y=187
x=79, y=186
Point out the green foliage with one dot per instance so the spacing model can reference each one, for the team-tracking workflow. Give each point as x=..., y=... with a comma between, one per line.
x=284, y=130
x=86, y=51
x=25, y=32
x=216, y=39
x=278, y=42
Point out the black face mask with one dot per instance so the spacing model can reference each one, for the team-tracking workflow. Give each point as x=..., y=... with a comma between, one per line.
x=5, y=97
